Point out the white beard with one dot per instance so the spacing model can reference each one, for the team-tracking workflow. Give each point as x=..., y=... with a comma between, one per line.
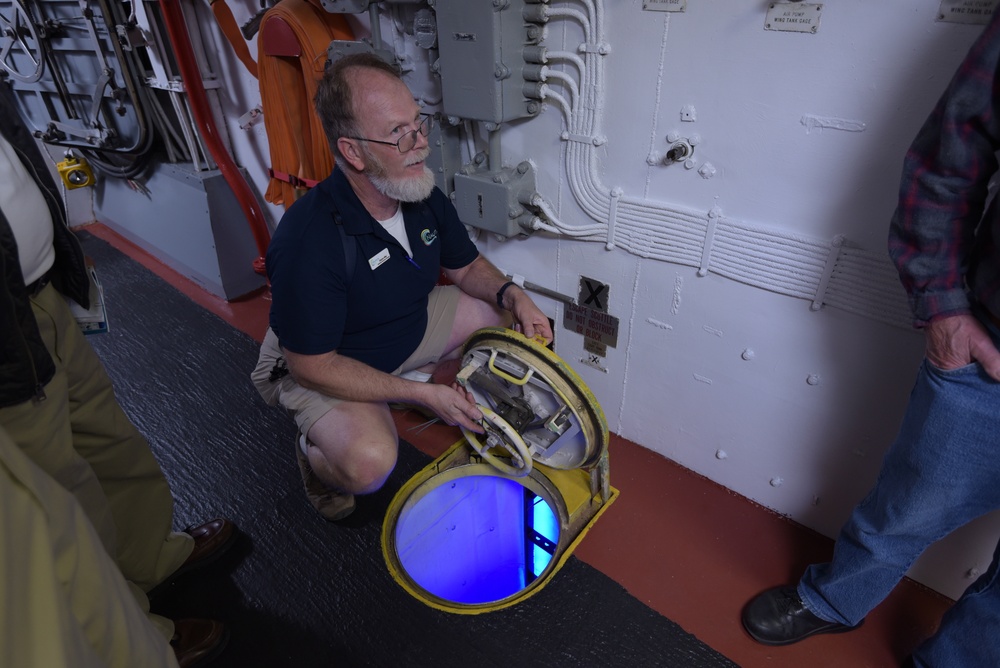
x=411, y=189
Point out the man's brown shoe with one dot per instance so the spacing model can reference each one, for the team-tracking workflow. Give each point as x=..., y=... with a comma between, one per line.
x=198, y=641
x=333, y=505
x=211, y=540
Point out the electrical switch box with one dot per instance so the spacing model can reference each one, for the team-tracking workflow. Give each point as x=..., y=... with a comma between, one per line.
x=481, y=49
x=492, y=201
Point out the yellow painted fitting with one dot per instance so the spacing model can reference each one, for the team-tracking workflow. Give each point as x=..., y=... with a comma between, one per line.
x=75, y=172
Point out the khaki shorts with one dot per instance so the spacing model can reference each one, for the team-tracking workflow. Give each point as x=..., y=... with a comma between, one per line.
x=308, y=406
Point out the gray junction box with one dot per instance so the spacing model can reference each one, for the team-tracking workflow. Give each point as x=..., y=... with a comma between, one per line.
x=492, y=201
x=479, y=43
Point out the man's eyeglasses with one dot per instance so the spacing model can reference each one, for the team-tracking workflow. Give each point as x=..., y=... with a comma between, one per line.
x=406, y=143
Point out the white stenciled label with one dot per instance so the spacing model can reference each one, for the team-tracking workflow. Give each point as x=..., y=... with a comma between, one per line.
x=380, y=258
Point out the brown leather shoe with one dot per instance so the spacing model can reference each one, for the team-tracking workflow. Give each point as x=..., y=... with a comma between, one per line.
x=211, y=540
x=333, y=505
x=198, y=641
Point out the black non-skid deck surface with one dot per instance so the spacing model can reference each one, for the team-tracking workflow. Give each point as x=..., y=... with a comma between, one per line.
x=297, y=590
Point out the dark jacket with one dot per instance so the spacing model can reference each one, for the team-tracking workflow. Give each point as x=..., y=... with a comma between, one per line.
x=25, y=364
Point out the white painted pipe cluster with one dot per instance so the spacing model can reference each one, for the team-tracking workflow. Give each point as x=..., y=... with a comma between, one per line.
x=825, y=272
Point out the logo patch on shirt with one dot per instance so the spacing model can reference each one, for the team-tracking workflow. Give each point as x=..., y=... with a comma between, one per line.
x=428, y=236
x=380, y=258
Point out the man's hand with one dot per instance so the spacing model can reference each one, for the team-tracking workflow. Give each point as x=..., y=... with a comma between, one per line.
x=453, y=404
x=528, y=318
x=957, y=340
x=480, y=279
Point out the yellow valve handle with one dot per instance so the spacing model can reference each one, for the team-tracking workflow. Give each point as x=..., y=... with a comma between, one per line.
x=506, y=376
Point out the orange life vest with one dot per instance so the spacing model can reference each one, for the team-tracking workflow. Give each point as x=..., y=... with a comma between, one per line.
x=291, y=52
x=292, y=43
x=294, y=36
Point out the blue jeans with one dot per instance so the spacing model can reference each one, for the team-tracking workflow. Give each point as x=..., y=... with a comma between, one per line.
x=942, y=471
x=968, y=633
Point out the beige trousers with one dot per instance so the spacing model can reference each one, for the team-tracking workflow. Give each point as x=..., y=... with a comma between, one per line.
x=80, y=436
x=65, y=603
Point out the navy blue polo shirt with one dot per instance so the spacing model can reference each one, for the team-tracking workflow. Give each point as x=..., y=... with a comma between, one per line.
x=378, y=315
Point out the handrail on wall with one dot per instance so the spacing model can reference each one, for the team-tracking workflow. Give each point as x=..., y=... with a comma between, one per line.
x=173, y=16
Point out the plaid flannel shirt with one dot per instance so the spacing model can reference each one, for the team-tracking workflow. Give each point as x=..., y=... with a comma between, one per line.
x=941, y=241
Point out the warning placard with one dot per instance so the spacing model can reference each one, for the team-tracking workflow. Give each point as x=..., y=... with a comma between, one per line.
x=594, y=325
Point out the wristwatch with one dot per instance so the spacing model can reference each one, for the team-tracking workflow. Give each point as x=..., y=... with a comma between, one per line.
x=503, y=289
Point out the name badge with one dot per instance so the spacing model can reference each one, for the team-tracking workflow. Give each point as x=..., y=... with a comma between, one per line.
x=378, y=259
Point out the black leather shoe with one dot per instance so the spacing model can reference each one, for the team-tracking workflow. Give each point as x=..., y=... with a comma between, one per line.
x=778, y=617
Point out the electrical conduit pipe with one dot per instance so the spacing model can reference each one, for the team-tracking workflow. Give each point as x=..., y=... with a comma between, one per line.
x=173, y=16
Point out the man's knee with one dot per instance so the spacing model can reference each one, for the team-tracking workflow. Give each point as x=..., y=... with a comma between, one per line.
x=361, y=468
x=366, y=471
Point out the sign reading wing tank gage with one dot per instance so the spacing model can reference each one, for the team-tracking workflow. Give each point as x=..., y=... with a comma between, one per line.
x=489, y=522
x=977, y=12
x=793, y=17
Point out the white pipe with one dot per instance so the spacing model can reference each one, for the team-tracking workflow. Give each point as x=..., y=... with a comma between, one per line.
x=548, y=94
x=863, y=282
x=578, y=15
x=570, y=56
x=570, y=83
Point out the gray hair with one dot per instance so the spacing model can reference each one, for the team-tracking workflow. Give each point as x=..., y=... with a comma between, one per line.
x=334, y=98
